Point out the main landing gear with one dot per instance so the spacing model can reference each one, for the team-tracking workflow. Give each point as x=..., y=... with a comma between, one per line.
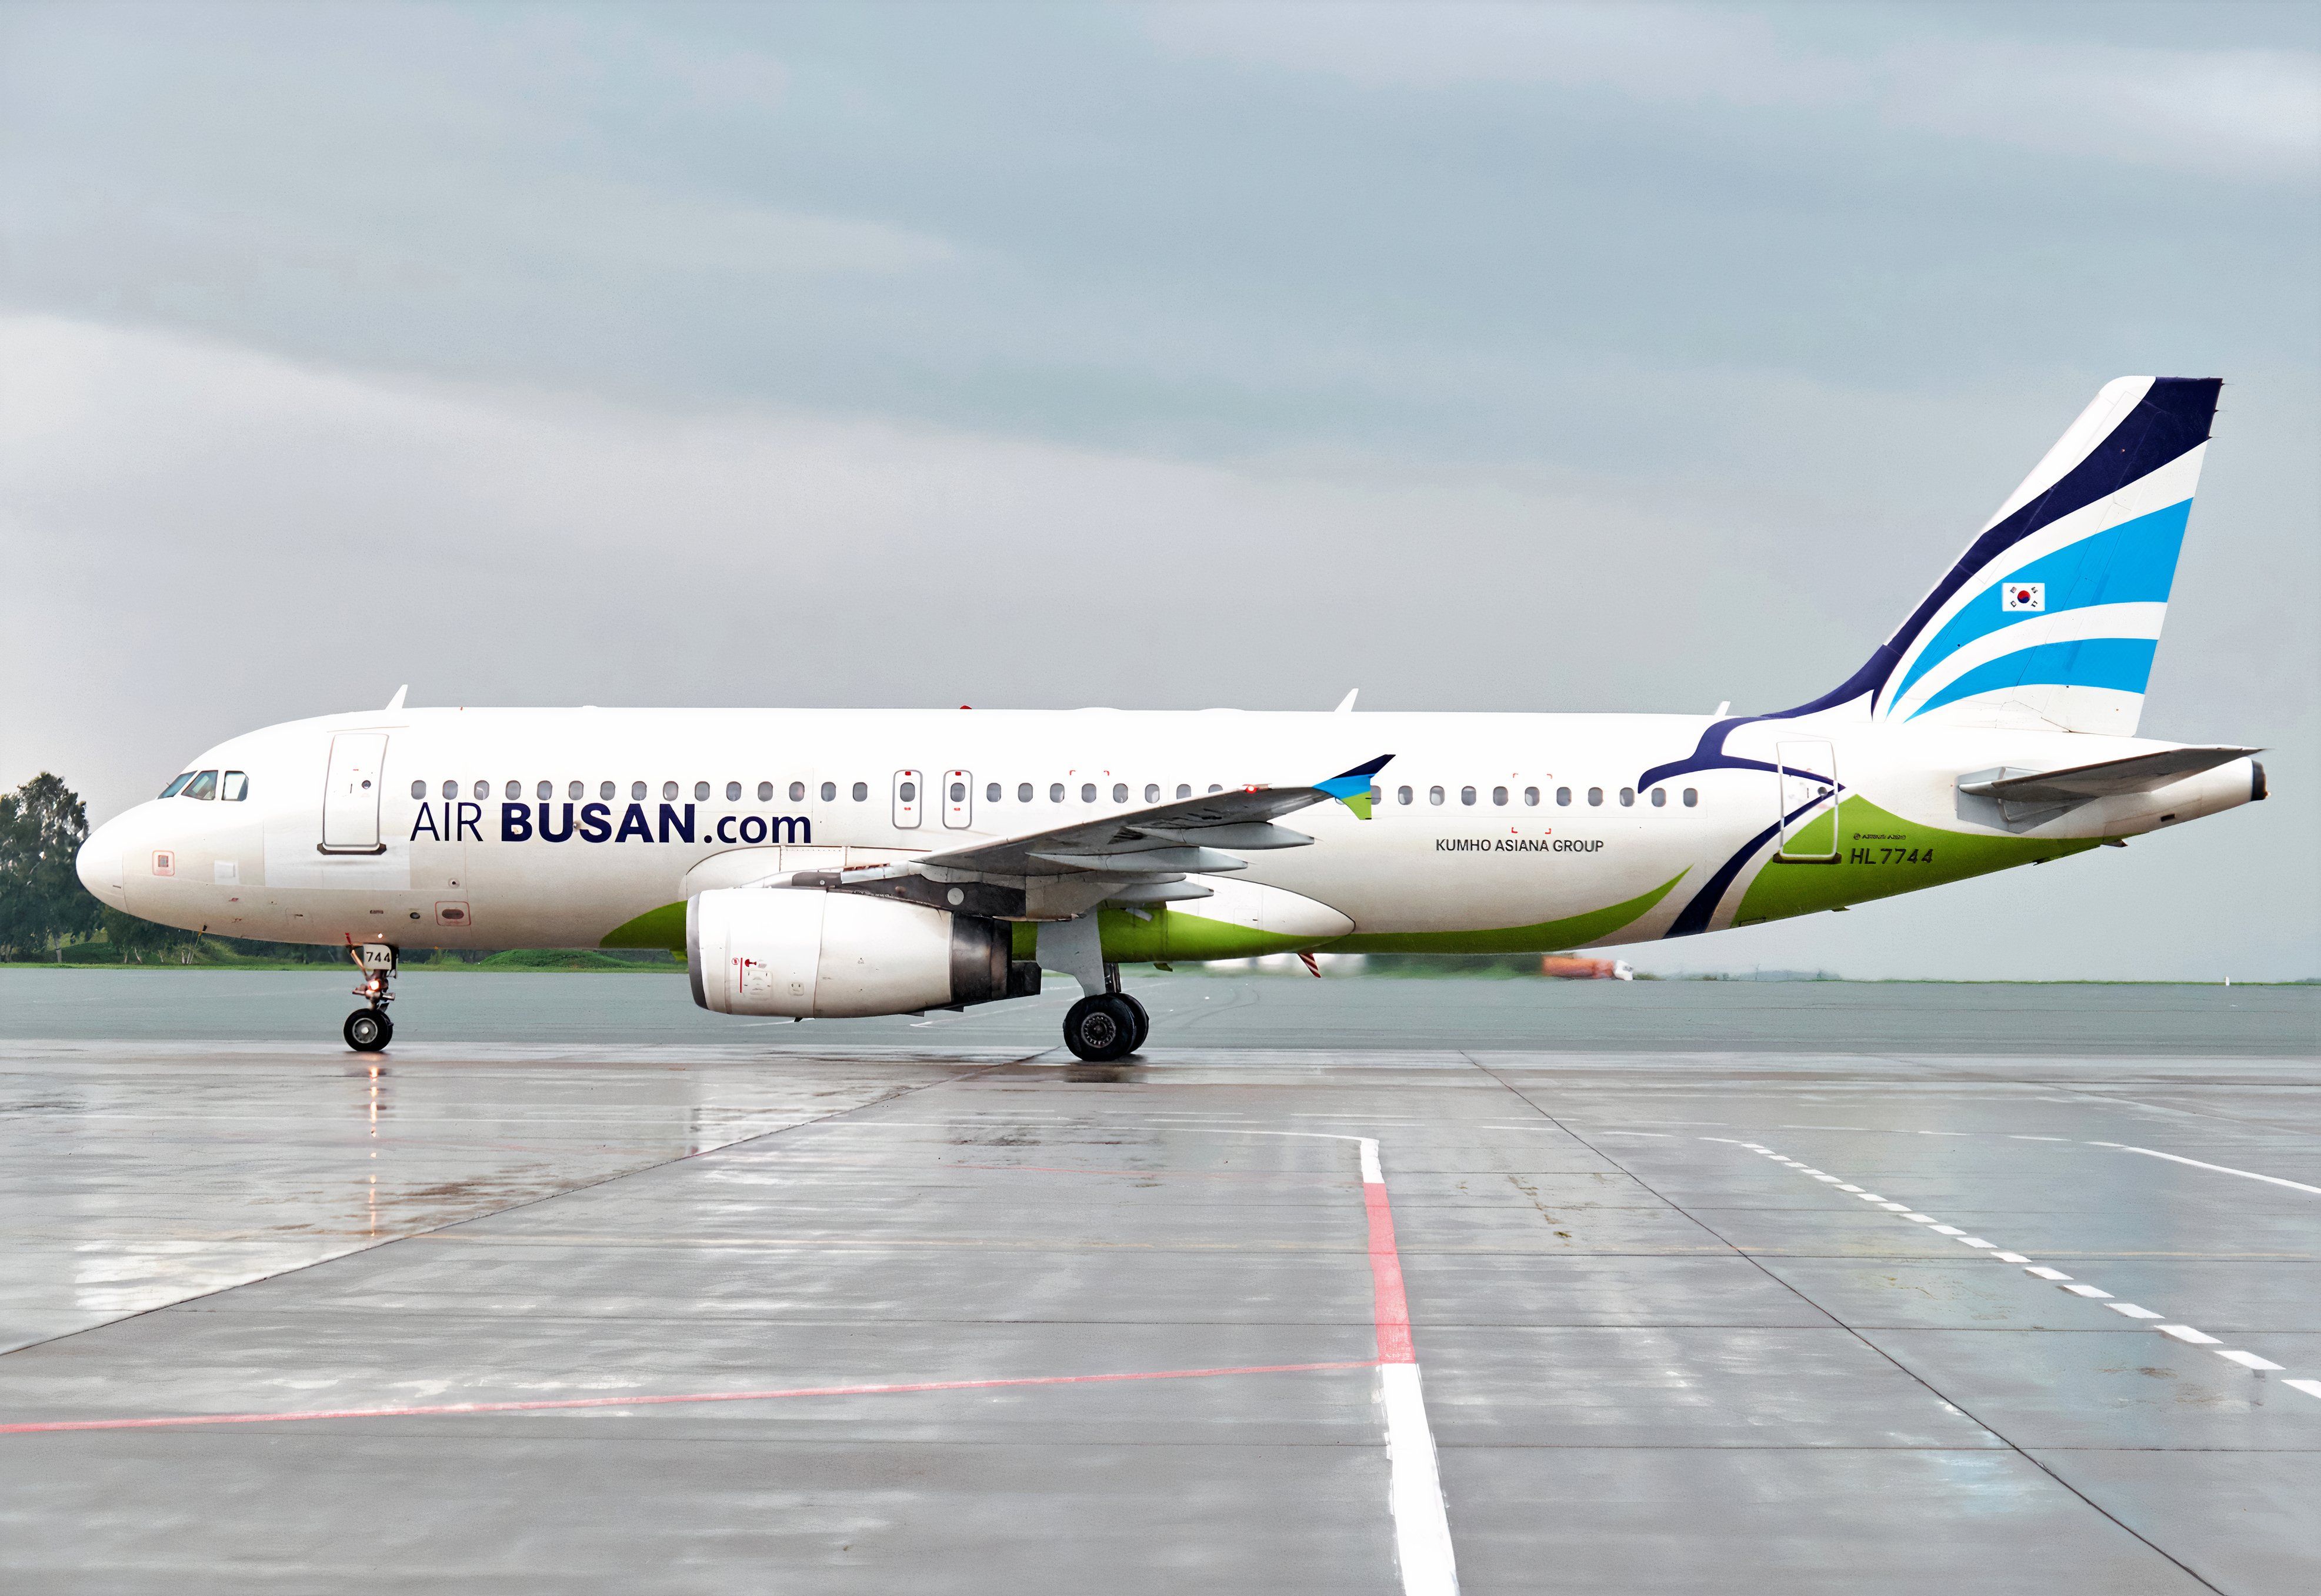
x=369, y=1029
x=1105, y=1027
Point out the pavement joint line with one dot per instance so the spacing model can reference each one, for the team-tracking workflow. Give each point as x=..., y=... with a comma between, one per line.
x=2185, y=1333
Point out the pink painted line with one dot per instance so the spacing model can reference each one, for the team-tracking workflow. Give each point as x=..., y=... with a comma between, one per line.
x=1392, y=1309
x=451, y=1409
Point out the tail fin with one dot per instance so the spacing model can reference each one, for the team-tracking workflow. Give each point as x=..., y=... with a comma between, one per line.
x=2049, y=621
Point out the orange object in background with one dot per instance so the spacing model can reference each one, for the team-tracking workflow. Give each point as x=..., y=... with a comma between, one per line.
x=1565, y=967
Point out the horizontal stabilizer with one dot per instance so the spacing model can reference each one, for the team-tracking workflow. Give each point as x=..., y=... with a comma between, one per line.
x=2138, y=773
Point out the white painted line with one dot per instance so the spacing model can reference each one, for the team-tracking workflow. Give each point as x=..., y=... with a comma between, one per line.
x=1919, y=1219
x=2247, y=1174
x=2103, y=1144
x=2044, y=1272
x=1869, y=1197
x=2087, y=1291
x=1856, y=1190
x=2010, y=1258
x=1977, y=1241
x=1894, y=1207
x=2039, y=1139
x=2311, y=1388
x=2186, y=1333
x=1372, y=1176
x=1948, y=1230
x=1421, y=1528
x=2247, y=1360
x=1830, y=1178
x=2133, y=1311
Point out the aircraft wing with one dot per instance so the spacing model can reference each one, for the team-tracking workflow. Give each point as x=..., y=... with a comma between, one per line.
x=2138, y=773
x=1142, y=854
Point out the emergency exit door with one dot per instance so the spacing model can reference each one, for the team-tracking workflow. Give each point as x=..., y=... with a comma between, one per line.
x=351, y=793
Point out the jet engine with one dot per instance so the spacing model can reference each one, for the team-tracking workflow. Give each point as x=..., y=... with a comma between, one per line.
x=808, y=954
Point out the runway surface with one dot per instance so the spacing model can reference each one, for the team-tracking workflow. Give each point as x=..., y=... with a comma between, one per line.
x=1745, y=1297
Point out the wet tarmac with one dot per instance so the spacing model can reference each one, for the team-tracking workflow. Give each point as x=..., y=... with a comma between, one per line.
x=1728, y=1300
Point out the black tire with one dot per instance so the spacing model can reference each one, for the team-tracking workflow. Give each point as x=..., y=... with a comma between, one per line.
x=368, y=1031
x=1100, y=1028
x=1144, y=1022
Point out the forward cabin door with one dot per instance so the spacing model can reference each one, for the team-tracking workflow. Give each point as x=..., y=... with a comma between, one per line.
x=351, y=793
x=1808, y=783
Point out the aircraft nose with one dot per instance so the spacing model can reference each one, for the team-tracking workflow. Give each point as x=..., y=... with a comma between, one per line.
x=98, y=865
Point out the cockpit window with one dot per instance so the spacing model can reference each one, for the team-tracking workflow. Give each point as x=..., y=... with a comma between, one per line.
x=235, y=788
x=177, y=786
x=203, y=785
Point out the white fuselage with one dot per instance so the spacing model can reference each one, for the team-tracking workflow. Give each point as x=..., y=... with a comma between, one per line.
x=560, y=828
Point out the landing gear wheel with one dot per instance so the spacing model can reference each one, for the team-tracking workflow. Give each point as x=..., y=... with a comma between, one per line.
x=368, y=1031
x=1101, y=1029
x=1144, y=1022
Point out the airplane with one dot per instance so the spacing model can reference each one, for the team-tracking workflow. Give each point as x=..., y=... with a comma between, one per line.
x=816, y=863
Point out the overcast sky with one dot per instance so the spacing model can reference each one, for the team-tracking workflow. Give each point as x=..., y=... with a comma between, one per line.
x=1569, y=357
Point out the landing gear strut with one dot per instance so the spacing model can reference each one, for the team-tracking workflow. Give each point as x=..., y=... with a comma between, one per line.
x=369, y=1029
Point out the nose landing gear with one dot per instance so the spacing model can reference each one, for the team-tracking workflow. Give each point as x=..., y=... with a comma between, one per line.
x=369, y=1029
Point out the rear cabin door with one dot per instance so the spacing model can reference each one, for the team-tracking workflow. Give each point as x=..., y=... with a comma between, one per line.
x=1808, y=778
x=351, y=793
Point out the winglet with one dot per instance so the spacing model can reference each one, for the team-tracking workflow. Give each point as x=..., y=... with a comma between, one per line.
x=1352, y=788
x=397, y=701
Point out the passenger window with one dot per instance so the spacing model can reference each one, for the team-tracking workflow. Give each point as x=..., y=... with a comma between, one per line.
x=544, y=790
x=1023, y=792
x=636, y=791
x=1183, y=789
x=605, y=791
x=1499, y=796
x=667, y=792
x=908, y=792
x=1563, y=797
x=1467, y=795
x=1627, y=797
x=203, y=785
x=991, y=794
x=733, y=791
x=1088, y=791
x=1659, y=797
x=235, y=788
x=1120, y=791
x=797, y=792
x=861, y=792
x=959, y=792
x=1214, y=788
x=483, y=790
x=1434, y=794
x=1595, y=796
x=576, y=790
x=1691, y=797
x=1055, y=792
x=418, y=790
x=701, y=792
x=1152, y=792
x=830, y=791
x=1531, y=796
x=1402, y=794
x=177, y=786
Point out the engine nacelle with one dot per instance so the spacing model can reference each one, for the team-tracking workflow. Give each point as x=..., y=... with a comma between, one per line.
x=806, y=954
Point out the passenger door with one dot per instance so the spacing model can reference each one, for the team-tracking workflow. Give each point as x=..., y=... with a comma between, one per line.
x=1809, y=788
x=351, y=793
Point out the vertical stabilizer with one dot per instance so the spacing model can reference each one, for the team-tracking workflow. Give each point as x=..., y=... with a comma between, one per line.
x=2049, y=621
